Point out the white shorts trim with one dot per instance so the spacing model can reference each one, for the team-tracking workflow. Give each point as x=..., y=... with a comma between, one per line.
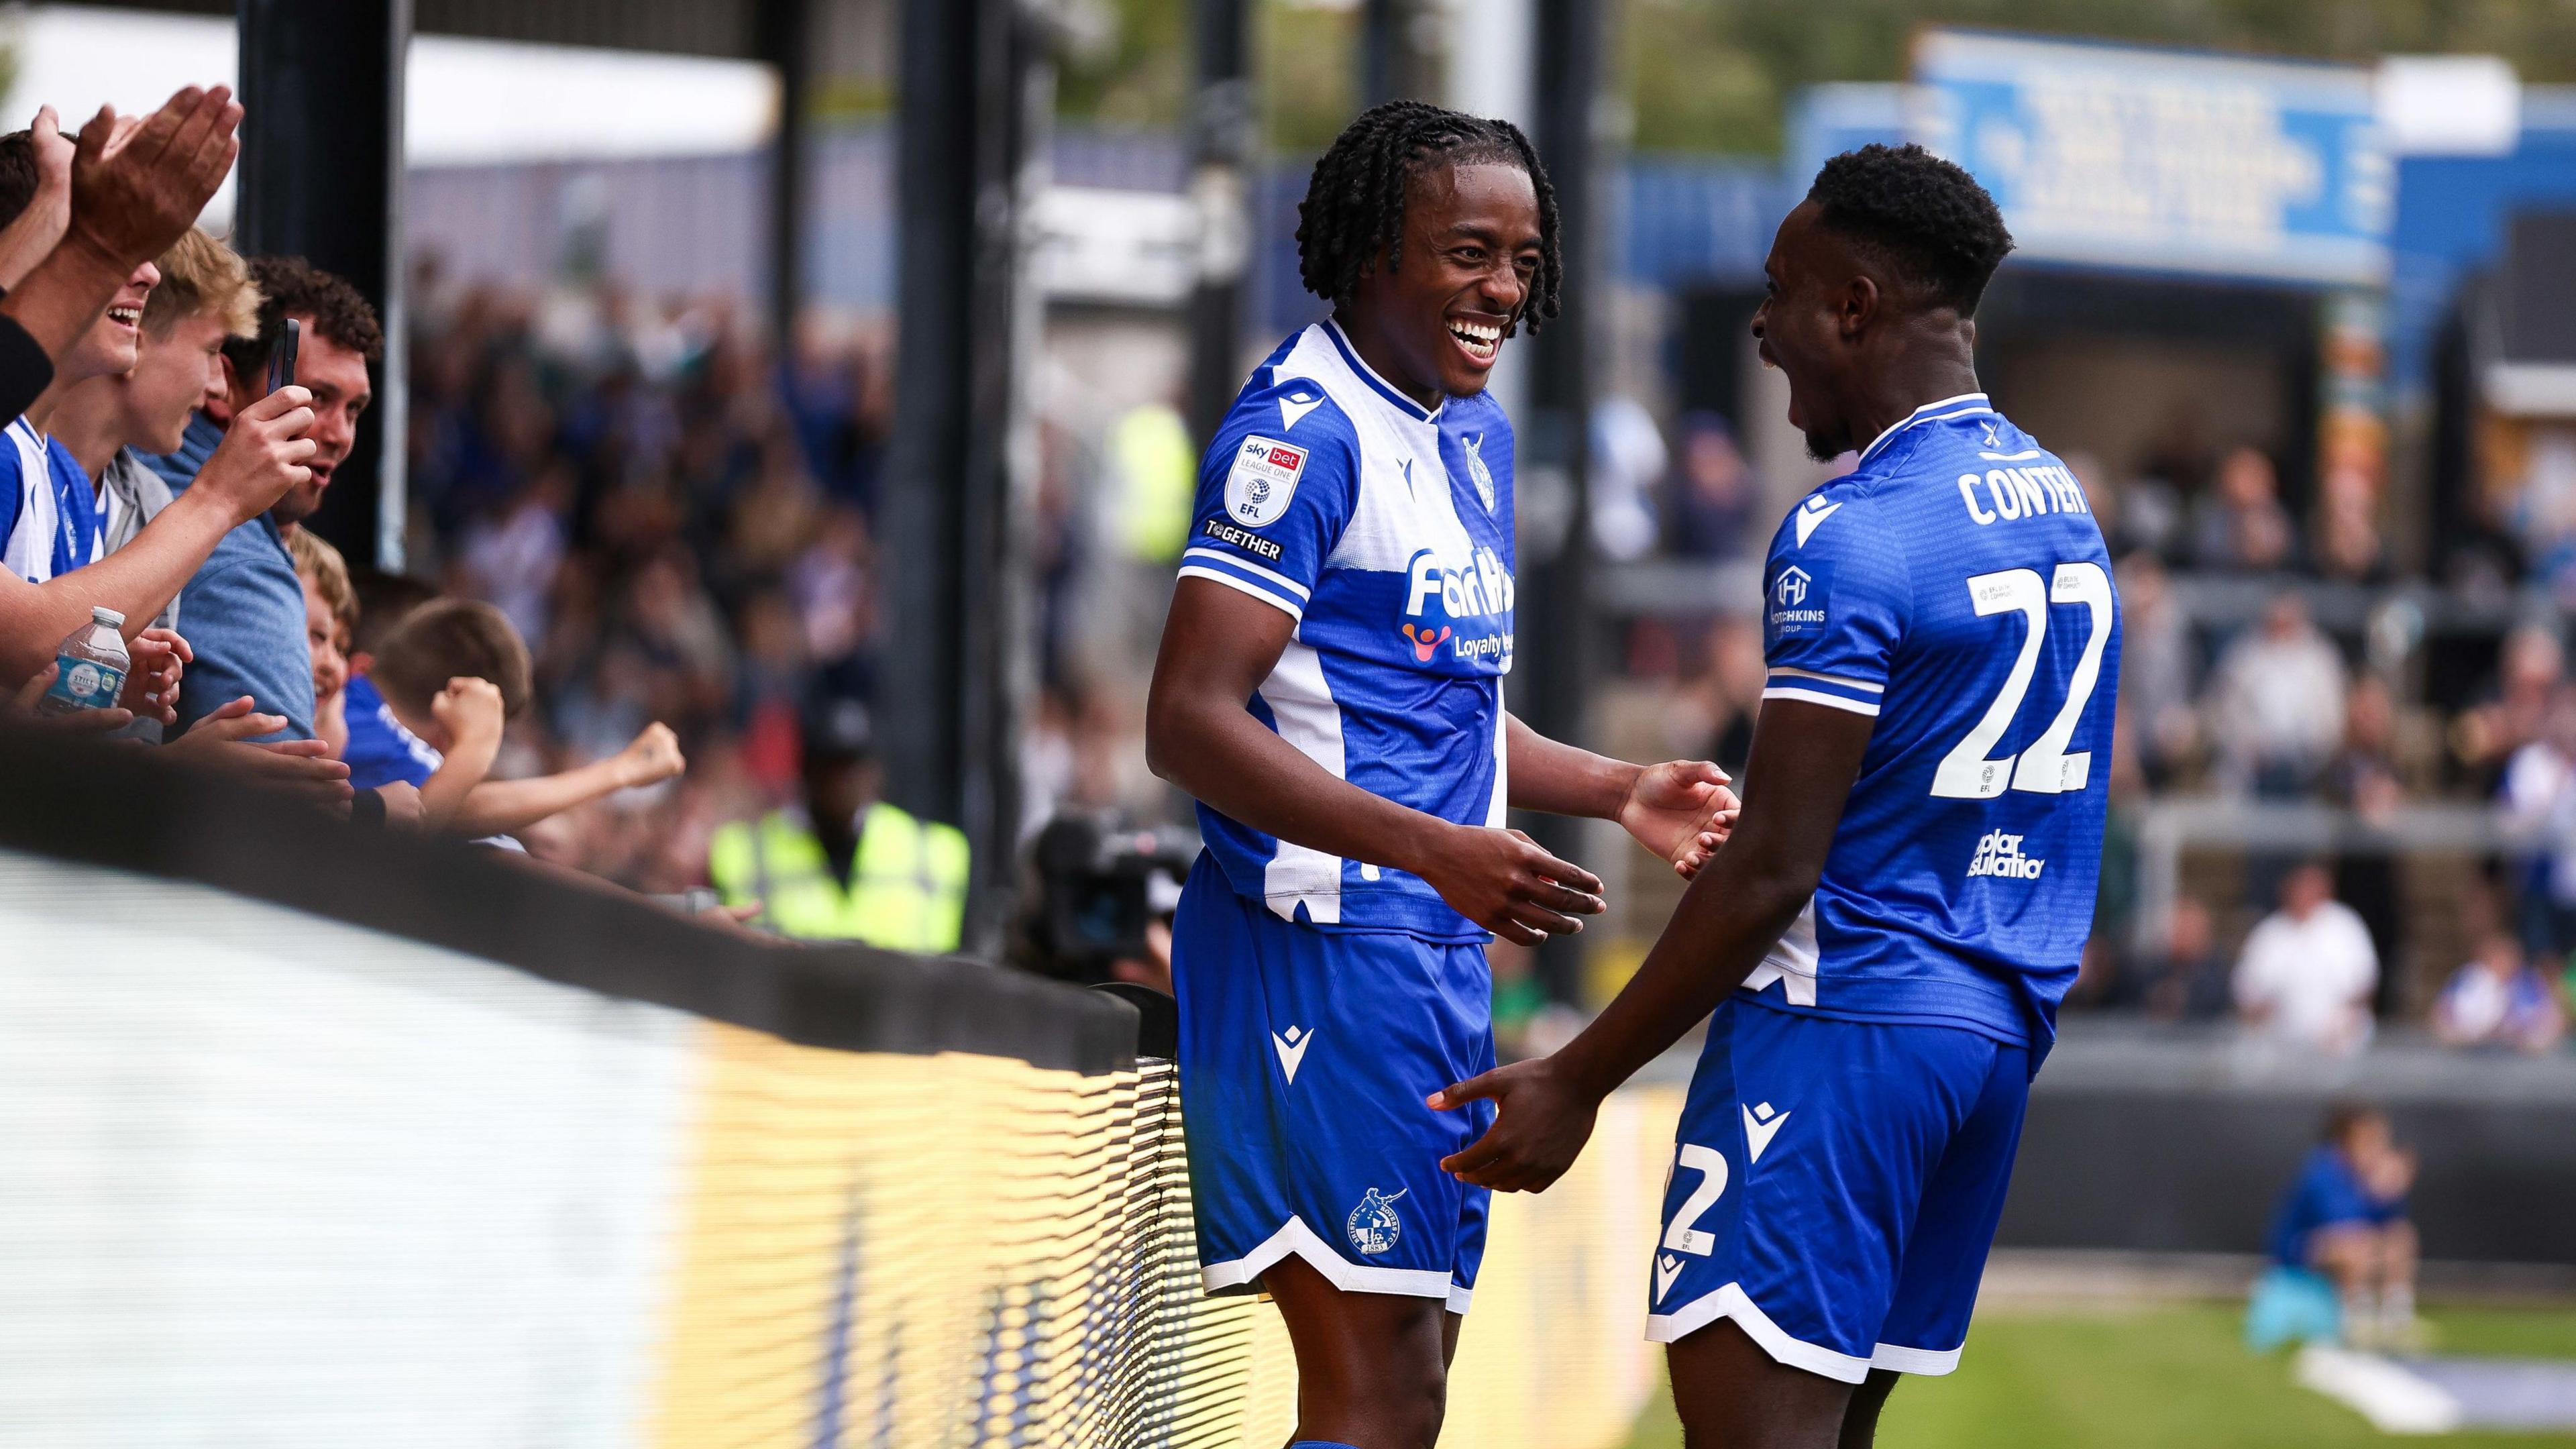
x=1730, y=1302
x=1927, y=1361
x=1295, y=1237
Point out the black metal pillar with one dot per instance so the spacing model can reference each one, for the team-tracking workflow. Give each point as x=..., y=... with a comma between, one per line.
x=976, y=95
x=1392, y=64
x=1222, y=133
x=321, y=178
x=786, y=42
x=1551, y=676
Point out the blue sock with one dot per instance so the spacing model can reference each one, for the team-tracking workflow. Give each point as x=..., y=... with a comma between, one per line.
x=1318, y=1444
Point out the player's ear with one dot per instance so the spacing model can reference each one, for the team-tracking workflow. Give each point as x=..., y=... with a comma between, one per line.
x=1860, y=303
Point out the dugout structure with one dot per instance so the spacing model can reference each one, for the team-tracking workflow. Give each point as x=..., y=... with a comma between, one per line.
x=316, y=1137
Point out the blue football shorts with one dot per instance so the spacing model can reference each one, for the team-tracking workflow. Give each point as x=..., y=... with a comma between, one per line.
x=1835, y=1188
x=1305, y=1056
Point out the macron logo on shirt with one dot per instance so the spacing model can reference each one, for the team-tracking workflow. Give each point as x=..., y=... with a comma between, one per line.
x=1812, y=514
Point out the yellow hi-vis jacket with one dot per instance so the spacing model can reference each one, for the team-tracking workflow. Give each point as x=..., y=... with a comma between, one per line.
x=907, y=890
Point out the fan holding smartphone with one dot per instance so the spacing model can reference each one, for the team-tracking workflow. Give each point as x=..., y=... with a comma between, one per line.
x=281, y=363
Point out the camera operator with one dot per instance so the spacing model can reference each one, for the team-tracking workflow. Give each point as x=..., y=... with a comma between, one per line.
x=1104, y=902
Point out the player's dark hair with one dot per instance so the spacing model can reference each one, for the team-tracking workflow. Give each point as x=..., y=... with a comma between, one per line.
x=294, y=287
x=1353, y=213
x=1927, y=218
x=17, y=174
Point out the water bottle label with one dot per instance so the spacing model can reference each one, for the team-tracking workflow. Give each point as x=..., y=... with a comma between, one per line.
x=85, y=683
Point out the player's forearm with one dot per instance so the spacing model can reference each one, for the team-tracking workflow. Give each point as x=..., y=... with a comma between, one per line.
x=1561, y=779
x=138, y=581
x=501, y=807
x=1728, y=921
x=1231, y=762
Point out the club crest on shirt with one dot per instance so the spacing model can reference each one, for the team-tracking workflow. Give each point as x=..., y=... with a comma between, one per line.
x=1476, y=469
x=1263, y=479
x=1374, y=1226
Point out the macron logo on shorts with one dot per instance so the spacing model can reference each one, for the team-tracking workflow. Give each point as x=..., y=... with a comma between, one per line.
x=1761, y=1124
x=1291, y=1046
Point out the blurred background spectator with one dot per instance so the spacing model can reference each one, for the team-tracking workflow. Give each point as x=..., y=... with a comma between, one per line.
x=2306, y=973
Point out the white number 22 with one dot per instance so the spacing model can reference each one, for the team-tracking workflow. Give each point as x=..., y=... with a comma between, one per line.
x=2045, y=768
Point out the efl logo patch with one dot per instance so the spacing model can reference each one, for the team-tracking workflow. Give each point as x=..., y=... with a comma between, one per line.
x=1262, y=481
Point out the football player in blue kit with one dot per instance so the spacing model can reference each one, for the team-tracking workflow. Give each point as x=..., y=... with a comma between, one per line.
x=1880, y=948
x=1330, y=688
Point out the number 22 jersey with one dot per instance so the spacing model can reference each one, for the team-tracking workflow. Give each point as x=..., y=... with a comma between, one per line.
x=1954, y=587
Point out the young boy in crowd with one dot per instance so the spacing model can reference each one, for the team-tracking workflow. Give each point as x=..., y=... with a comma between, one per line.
x=419, y=687
x=467, y=715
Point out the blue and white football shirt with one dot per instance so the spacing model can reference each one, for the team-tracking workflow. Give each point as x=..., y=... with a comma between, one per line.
x=1385, y=530
x=48, y=506
x=1955, y=587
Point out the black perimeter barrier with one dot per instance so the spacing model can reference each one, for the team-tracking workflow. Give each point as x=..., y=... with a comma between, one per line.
x=318, y=1136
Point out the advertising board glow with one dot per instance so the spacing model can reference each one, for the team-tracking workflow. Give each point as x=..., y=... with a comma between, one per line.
x=2164, y=160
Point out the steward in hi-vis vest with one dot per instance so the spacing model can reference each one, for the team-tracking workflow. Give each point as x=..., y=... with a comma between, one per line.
x=847, y=866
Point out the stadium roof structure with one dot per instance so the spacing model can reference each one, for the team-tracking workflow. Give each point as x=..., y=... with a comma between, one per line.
x=729, y=29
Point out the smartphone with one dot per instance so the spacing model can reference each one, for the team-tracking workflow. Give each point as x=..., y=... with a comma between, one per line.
x=281, y=363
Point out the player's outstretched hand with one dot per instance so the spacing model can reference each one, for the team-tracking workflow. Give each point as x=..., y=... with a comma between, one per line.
x=1503, y=881
x=1541, y=1123
x=1680, y=810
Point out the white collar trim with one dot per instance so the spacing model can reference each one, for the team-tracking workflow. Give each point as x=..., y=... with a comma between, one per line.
x=1966, y=404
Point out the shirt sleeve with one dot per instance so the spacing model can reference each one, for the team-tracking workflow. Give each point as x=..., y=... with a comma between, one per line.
x=1835, y=599
x=25, y=371
x=1275, y=492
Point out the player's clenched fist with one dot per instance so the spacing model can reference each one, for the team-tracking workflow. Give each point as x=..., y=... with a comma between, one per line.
x=1542, y=1121
x=1503, y=881
x=263, y=454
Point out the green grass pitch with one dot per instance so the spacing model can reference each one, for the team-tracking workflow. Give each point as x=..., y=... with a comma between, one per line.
x=2157, y=1377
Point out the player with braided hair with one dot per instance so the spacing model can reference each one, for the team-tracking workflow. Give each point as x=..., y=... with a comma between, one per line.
x=1330, y=688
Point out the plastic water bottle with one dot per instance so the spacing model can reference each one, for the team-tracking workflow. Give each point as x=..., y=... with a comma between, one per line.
x=93, y=666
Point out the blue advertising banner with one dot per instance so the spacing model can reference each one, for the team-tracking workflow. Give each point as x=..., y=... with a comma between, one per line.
x=2164, y=160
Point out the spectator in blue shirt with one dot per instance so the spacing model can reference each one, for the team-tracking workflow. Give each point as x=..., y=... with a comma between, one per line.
x=245, y=607
x=2344, y=1221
